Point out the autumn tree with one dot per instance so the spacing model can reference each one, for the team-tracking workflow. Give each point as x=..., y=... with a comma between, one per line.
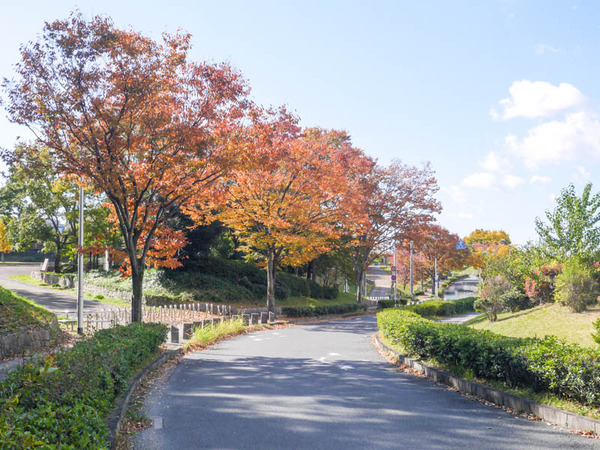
x=397, y=200
x=438, y=246
x=488, y=237
x=286, y=205
x=488, y=248
x=5, y=244
x=135, y=119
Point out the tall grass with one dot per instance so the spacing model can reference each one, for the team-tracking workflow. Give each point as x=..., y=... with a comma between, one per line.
x=203, y=337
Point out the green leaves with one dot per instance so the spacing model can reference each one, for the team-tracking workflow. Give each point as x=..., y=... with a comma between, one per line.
x=64, y=401
x=572, y=228
x=569, y=370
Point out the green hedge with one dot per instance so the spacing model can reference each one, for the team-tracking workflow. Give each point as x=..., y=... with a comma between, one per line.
x=549, y=365
x=435, y=308
x=64, y=401
x=310, y=311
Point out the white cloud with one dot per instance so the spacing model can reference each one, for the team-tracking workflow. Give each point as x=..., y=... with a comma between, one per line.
x=540, y=49
x=456, y=194
x=578, y=136
x=581, y=174
x=464, y=215
x=539, y=179
x=533, y=99
x=481, y=180
x=492, y=163
x=512, y=181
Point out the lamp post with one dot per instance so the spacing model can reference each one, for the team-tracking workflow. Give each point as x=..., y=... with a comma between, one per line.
x=395, y=284
x=411, y=268
x=80, y=266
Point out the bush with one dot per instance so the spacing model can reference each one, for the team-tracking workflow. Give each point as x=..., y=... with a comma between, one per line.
x=331, y=292
x=576, y=286
x=440, y=308
x=310, y=311
x=568, y=370
x=493, y=294
x=64, y=401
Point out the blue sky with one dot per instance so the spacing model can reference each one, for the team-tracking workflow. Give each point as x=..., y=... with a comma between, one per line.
x=503, y=97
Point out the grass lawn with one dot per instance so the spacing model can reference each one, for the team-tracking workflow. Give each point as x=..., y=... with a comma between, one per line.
x=110, y=301
x=552, y=319
x=17, y=312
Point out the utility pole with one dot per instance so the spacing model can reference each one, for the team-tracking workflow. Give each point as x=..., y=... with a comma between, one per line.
x=394, y=278
x=411, y=267
x=80, y=266
x=435, y=290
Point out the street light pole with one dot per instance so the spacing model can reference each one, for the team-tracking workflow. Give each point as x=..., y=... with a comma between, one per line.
x=411, y=267
x=80, y=266
x=435, y=290
x=395, y=279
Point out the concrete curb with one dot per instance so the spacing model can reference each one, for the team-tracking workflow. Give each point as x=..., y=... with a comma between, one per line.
x=550, y=414
x=115, y=420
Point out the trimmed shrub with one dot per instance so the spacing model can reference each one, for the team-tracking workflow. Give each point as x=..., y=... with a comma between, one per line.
x=439, y=308
x=63, y=402
x=568, y=370
x=324, y=310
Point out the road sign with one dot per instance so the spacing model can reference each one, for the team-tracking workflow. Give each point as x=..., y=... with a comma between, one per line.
x=393, y=277
x=461, y=245
x=393, y=269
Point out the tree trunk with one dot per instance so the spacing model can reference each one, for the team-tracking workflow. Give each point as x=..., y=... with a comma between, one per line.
x=313, y=275
x=270, y=282
x=360, y=278
x=137, y=282
x=432, y=283
x=57, y=259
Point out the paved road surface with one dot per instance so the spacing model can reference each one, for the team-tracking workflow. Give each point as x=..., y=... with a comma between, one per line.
x=467, y=287
x=55, y=301
x=382, y=280
x=323, y=386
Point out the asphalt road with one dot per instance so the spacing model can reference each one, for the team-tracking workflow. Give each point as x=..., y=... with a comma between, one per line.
x=55, y=301
x=382, y=280
x=323, y=386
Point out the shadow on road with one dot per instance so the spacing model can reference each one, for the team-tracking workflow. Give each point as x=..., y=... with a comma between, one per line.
x=266, y=402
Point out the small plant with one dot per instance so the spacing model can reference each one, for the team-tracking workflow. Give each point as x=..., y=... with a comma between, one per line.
x=99, y=297
x=576, y=286
x=493, y=294
x=203, y=337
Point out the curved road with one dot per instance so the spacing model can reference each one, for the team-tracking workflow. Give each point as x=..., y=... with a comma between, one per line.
x=323, y=386
x=55, y=301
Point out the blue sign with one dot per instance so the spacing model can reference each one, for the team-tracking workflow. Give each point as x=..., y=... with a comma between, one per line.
x=461, y=245
x=393, y=277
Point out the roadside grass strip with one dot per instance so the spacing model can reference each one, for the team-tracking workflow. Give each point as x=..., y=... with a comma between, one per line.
x=204, y=337
x=17, y=312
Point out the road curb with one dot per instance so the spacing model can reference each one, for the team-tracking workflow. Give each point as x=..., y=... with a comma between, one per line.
x=115, y=420
x=547, y=413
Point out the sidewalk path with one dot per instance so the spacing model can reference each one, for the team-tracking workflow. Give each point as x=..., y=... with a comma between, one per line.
x=55, y=301
x=382, y=282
